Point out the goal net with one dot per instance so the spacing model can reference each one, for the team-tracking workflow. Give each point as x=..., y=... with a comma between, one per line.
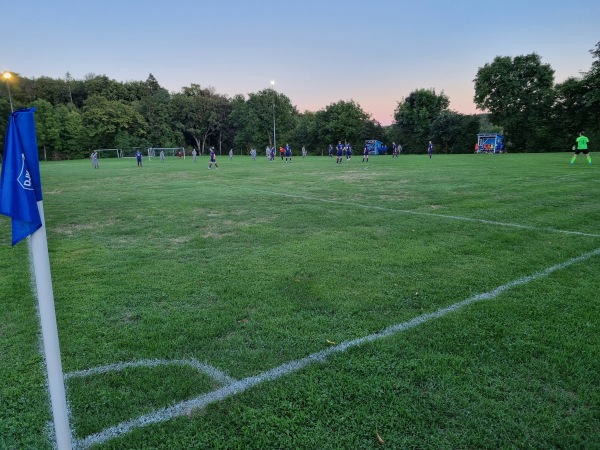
x=171, y=152
x=108, y=152
x=130, y=152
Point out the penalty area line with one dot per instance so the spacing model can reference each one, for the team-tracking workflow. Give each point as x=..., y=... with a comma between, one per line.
x=240, y=386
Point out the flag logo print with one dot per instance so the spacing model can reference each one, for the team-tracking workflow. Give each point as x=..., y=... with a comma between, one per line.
x=24, y=178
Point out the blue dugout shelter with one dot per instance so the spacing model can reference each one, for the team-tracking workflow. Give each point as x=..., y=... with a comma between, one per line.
x=375, y=147
x=490, y=143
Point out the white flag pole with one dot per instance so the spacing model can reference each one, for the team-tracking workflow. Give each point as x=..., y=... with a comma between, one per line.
x=43, y=282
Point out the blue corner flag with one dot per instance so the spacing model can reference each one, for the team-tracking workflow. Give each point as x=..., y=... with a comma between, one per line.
x=20, y=184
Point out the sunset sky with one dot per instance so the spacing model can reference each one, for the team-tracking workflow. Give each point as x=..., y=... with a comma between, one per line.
x=317, y=52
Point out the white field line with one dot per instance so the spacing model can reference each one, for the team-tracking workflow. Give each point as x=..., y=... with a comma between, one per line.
x=207, y=369
x=240, y=386
x=571, y=175
x=441, y=216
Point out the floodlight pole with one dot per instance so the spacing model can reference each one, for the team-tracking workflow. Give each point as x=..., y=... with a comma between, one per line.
x=274, y=134
x=7, y=76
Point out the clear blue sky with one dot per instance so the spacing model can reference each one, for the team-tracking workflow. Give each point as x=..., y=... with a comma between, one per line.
x=317, y=51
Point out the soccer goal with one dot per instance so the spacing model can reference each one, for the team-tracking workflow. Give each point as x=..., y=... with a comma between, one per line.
x=108, y=152
x=154, y=152
x=130, y=152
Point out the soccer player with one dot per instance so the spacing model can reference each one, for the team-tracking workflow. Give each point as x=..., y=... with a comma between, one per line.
x=430, y=149
x=582, y=146
x=330, y=151
x=288, y=152
x=348, y=152
x=394, y=150
x=94, y=157
x=366, y=154
x=162, y=156
x=195, y=155
x=212, y=159
x=340, y=153
x=303, y=152
x=138, y=156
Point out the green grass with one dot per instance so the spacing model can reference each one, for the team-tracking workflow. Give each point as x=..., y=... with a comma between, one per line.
x=258, y=264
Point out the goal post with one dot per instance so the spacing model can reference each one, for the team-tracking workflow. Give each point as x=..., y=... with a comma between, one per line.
x=154, y=152
x=130, y=152
x=108, y=152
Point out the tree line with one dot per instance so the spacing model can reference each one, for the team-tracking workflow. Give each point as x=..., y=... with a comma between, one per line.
x=536, y=114
x=522, y=100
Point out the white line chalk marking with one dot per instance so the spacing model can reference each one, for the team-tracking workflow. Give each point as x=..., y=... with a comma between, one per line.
x=441, y=216
x=240, y=386
x=207, y=369
x=571, y=175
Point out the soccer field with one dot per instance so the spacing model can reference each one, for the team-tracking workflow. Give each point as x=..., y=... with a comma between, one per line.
x=421, y=303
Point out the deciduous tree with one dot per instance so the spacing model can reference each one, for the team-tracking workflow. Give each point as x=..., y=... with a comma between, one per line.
x=342, y=121
x=414, y=117
x=105, y=119
x=518, y=92
x=454, y=132
x=71, y=134
x=154, y=106
x=195, y=112
x=47, y=127
x=253, y=118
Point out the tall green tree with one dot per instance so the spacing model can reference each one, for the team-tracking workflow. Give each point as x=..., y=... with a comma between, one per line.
x=342, y=121
x=305, y=133
x=372, y=129
x=414, y=117
x=104, y=120
x=47, y=127
x=154, y=106
x=224, y=128
x=454, y=132
x=519, y=94
x=253, y=119
x=570, y=111
x=77, y=91
x=592, y=96
x=4, y=116
x=196, y=115
x=52, y=90
x=577, y=106
x=286, y=116
x=237, y=119
x=103, y=86
x=58, y=131
x=71, y=132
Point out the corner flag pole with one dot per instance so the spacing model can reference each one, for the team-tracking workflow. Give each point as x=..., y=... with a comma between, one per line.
x=38, y=246
x=21, y=199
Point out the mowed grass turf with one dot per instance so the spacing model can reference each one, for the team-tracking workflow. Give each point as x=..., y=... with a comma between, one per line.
x=256, y=264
